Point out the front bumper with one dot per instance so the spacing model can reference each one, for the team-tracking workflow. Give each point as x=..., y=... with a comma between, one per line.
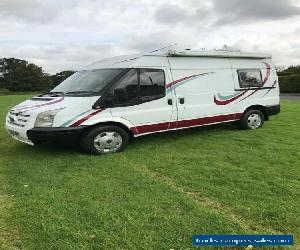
x=17, y=132
x=40, y=135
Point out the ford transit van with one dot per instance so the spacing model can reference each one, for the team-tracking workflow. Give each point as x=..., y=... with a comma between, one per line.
x=110, y=101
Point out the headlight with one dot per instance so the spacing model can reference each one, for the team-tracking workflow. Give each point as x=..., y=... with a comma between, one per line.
x=45, y=119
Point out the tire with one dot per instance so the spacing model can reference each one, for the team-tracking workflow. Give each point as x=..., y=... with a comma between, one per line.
x=104, y=140
x=252, y=119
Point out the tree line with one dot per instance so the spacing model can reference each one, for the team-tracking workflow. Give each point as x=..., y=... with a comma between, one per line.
x=289, y=80
x=20, y=75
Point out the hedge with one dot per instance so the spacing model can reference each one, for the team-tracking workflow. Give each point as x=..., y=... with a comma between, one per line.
x=289, y=84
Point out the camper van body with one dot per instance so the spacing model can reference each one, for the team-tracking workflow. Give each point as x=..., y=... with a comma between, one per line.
x=155, y=92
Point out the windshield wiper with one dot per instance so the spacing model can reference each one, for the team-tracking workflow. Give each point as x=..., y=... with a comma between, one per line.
x=53, y=93
x=79, y=92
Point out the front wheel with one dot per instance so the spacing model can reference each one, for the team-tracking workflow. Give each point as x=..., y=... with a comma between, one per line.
x=252, y=119
x=104, y=140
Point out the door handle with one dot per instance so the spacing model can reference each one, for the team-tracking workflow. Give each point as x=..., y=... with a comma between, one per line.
x=181, y=100
x=170, y=102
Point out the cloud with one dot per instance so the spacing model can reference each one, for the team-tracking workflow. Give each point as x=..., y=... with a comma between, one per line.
x=175, y=14
x=171, y=13
x=58, y=58
x=220, y=13
x=38, y=11
x=237, y=11
x=68, y=34
x=297, y=31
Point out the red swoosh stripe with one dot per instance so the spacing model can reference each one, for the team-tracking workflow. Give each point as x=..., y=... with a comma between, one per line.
x=249, y=95
x=264, y=81
x=169, y=85
x=82, y=120
x=184, y=123
x=219, y=102
x=25, y=108
x=271, y=87
x=268, y=73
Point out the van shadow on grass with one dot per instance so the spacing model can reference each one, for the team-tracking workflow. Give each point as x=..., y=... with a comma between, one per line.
x=64, y=148
x=49, y=149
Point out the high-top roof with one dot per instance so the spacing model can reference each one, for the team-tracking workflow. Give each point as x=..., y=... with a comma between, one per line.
x=135, y=59
x=211, y=53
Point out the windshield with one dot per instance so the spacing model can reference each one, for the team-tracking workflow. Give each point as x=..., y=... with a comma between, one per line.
x=87, y=81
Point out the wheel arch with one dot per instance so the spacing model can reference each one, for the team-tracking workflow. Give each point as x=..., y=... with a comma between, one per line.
x=111, y=123
x=259, y=107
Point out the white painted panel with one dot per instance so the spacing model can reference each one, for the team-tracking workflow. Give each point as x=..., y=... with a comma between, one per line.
x=199, y=63
x=199, y=93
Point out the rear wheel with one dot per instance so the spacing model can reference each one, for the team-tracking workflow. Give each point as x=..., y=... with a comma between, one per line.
x=252, y=119
x=104, y=140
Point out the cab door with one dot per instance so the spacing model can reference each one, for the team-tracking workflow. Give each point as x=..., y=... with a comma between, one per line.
x=141, y=98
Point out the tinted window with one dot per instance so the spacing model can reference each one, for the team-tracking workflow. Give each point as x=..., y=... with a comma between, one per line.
x=138, y=86
x=152, y=82
x=250, y=78
x=127, y=88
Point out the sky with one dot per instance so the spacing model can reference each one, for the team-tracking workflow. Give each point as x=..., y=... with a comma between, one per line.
x=68, y=34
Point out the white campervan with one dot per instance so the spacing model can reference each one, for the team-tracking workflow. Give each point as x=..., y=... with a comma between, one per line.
x=110, y=101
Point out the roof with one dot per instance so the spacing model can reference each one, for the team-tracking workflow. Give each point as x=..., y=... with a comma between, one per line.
x=211, y=53
x=132, y=60
x=113, y=61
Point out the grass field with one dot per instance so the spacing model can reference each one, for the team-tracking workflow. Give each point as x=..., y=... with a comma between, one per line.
x=155, y=195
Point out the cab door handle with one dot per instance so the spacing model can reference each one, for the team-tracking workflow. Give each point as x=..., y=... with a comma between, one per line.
x=170, y=102
x=181, y=100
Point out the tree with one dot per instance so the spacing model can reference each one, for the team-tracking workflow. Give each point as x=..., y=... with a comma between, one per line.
x=293, y=69
x=61, y=76
x=19, y=75
x=289, y=80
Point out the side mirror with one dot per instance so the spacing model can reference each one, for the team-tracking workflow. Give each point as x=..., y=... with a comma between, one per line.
x=119, y=98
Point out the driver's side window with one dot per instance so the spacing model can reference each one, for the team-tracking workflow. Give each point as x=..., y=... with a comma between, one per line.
x=138, y=86
x=126, y=91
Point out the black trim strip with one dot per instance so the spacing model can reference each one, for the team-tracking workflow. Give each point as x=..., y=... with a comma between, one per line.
x=38, y=135
x=255, y=88
x=273, y=110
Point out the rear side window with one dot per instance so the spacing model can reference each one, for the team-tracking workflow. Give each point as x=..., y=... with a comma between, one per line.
x=249, y=78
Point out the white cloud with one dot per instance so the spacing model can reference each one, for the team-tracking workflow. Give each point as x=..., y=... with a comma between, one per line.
x=71, y=33
x=37, y=11
x=237, y=11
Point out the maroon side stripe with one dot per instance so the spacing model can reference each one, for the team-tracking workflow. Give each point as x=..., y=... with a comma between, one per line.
x=184, y=123
x=207, y=120
x=82, y=120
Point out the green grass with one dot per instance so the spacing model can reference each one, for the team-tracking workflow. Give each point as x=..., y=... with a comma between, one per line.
x=155, y=195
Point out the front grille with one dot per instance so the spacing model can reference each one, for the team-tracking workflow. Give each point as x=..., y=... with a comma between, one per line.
x=18, y=118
